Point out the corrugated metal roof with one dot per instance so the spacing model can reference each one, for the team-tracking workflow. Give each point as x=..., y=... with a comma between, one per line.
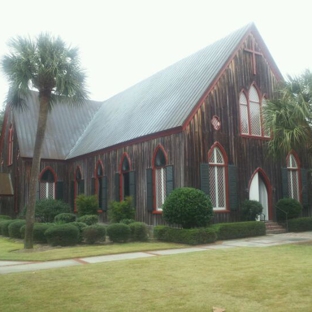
x=65, y=126
x=160, y=102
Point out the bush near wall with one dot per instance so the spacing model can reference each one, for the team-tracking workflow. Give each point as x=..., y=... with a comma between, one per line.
x=289, y=205
x=194, y=236
x=14, y=228
x=139, y=231
x=89, y=219
x=62, y=235
x=300, y=225
x=118, y=232
x=80, y=226
x=94, y=233
x=65, y=218
x=240, y=229
x=4, y=217
x=121, y=210
x=4, y=226
x=87, y=205
x=38, y=232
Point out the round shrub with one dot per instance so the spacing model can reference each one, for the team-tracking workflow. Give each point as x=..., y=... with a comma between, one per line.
x=47, y=209
x=250, y=210
x=139, y=231
x=80, y=226
x=15, y=227
x=87, y=205
x=94, y=233
x=188, y=207
x=62, y=235
x=127, y=221
x=291, y=206
x=65, y=218
x=4, y=217
x=89, y=219
x=38, y=232
x=118, y=232
x=5, y=227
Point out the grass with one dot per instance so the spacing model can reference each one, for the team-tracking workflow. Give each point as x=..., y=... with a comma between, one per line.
x=239, y=280
x=13, y=250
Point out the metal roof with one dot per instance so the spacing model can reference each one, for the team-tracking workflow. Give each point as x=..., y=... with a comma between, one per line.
x=65, y=126
x=161, y=102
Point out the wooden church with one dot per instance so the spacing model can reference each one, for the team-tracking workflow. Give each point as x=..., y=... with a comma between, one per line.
x=197, y=123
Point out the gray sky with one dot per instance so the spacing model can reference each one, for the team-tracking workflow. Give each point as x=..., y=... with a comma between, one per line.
x=124, y=41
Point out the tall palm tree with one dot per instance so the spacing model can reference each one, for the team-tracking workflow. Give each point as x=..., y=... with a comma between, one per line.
x=53, y=68
x=289, y=116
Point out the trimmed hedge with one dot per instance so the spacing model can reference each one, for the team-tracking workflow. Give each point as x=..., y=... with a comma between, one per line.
x=195, y=236
x=94, y=233
x=139, y=231
x=250, y=210
x=127, y=221
x=300, y=225
x=89, y=219
x=62, y=235
x=38, y=232
x=289, y=205
x=187, y=207
x=80, y=226
x=65, y=217
x=118, y=232
x=14, y=228
x=4, y=217
x=240, y=229
x=5, y=227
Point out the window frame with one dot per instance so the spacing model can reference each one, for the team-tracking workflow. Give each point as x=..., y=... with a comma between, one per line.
x=121, y=177
x=10, y=145
x=224, y=165
x=98, y=181
x=290, y=170
x=43, y=171
x=156, y=167
x=261, y=98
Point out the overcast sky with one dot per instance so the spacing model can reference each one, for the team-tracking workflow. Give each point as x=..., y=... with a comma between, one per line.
x=124, y=41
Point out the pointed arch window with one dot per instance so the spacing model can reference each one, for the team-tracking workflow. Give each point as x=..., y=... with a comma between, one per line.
x=47, y=183
x=293, y=177
x=217, y=177
x=250, y=107
x=125, y=177
x=99, y=181
x=10, y=145
x=160, y=178
x=79, y=182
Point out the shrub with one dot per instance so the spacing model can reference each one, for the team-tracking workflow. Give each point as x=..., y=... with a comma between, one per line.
x=47, y=209
x=4, y=217
x=94, y=233
x=5, y=227
x=127, y=221
x=121, y=210
x=80, y=226
x=240, y=229
x=65, y=218
x=89, y=219
x=139, y=231
x=118, y=232
x=62, y=235
x=291, y=206
x=38, y=233
x=188, y=207
x=15, y=227
x=87, y=205
x=194, y=236
x=300, y=225
x=250, y=210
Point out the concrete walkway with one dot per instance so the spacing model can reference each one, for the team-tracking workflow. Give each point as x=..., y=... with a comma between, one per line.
x=260, y=241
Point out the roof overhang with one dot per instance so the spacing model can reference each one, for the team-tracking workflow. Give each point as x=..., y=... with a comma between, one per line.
x=6, y=188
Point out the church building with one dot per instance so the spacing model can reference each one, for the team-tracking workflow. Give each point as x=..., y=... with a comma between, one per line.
x=197, y=123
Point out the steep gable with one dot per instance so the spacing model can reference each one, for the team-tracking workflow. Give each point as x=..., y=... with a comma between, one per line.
x=162, y=102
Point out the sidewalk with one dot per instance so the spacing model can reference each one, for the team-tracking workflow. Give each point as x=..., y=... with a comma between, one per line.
x=260, y=241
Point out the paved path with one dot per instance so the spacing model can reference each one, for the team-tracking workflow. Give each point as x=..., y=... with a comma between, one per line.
x=260, y=241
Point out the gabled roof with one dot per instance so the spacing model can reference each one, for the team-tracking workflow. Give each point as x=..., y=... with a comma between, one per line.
x=162, y=102
x=65, y=126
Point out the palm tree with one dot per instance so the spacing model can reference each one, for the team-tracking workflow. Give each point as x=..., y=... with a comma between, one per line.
x=289, y=116
x=53, y=68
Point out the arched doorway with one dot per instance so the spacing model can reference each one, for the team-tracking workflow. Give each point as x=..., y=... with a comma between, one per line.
x=260, y=190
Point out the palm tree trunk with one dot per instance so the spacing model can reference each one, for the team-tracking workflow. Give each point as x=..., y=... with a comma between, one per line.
x=35, y=170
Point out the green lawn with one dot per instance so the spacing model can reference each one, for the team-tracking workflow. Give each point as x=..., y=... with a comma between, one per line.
x=268, y=279
x=12, y=250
